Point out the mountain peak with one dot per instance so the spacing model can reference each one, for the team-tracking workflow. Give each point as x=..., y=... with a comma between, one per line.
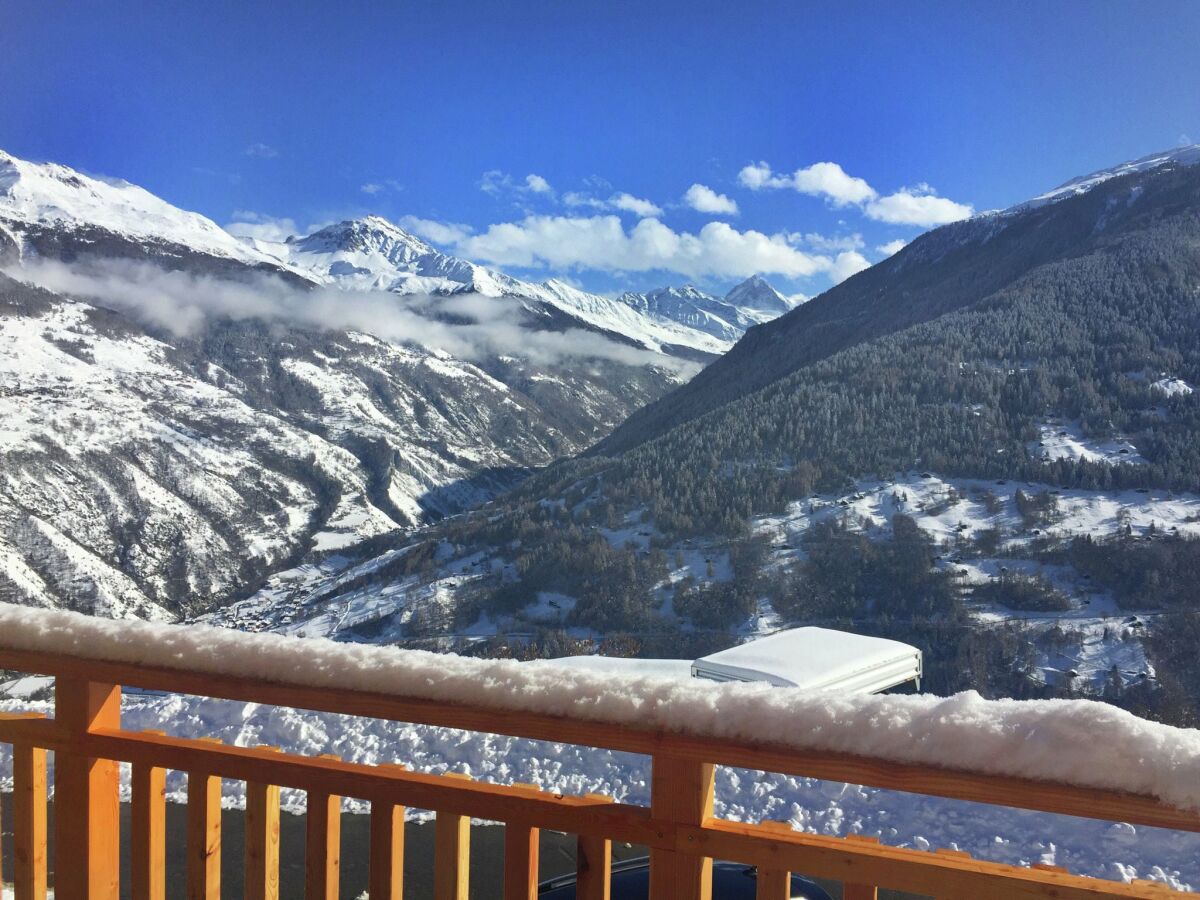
x=757, y=293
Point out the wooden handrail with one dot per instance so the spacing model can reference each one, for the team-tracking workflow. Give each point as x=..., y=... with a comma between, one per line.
x=678, y=826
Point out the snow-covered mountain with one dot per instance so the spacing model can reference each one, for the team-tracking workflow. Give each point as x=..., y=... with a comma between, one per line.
x=52, y=210
x=750, y=303
x=147, y=470
x=374, y=254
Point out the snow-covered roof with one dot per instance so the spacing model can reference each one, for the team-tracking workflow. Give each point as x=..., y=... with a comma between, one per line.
x=816, y=659
x=1076, y=742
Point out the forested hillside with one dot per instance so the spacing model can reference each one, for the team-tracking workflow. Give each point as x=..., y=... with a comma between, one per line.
x=952, y=268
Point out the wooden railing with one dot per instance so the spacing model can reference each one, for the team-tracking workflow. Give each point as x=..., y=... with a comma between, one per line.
x=678, y=826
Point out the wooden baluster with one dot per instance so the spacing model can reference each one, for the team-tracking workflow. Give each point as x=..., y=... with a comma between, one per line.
x=773, y=884
x=681, y=791
x=323, y=846
x=852, y=891
x=148, y=832
x=452, y=853
x=262, y=840
x=386, y=875
x=593, y=868
x=203, y=837
x=452, y=857
x=29, y=822
x=87, y=800
x=521, y=857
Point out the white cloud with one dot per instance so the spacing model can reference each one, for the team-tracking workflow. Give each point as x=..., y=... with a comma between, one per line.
x=500, y=184
x=704, y=199
x=371, y=188
x=829, y=180
x=823, y=179
x=636, y=205
x=892, y=247
x=602, y=243
x=917, y=206
x=577, y=199
x=446, y=233
x=249, y=224
x=757, y=176
x=622, y=201
x=184, y=304
x=262, y=151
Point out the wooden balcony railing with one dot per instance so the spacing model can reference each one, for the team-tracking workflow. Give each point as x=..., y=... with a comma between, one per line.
x=86, y=737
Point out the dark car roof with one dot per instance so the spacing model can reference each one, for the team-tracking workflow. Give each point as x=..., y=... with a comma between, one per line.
x=631, y=881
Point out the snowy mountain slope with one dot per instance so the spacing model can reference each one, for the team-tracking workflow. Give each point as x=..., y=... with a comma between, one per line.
x=142, y=473
x=1081, y=184
x=48, y=208
x=154, y=469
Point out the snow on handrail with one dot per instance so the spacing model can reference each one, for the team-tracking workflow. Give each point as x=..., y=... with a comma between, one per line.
x=1078, y=743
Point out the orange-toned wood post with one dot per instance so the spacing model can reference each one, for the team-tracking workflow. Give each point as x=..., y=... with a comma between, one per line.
x=452, y=857
x=262, y=841
x=851, y=891
x=386, y=874
x=773, y=884
x=521, y=858
x=148, y=833
x=323, y=846
x=593, y=868
x=681, y=791
x=203, y=837
x=87, y=800
x=29, y=823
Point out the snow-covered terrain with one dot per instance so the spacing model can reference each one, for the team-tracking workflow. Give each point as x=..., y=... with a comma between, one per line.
x=954, y=512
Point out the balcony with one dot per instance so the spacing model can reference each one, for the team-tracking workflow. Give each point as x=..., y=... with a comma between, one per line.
x=686, y=733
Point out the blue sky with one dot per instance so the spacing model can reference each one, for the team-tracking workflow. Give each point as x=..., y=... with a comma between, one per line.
x=437, y=114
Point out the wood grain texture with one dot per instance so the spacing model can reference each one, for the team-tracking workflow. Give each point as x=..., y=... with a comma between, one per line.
x=203, y=836
x=593, y=868
x=774, y=884
x=681, y=791
x=29, y=823
x=323, y=846
x=386, y=871
x=452, y=856
x=262, y=841
x=521, y=859
x=87, y=828
x=148, y=833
